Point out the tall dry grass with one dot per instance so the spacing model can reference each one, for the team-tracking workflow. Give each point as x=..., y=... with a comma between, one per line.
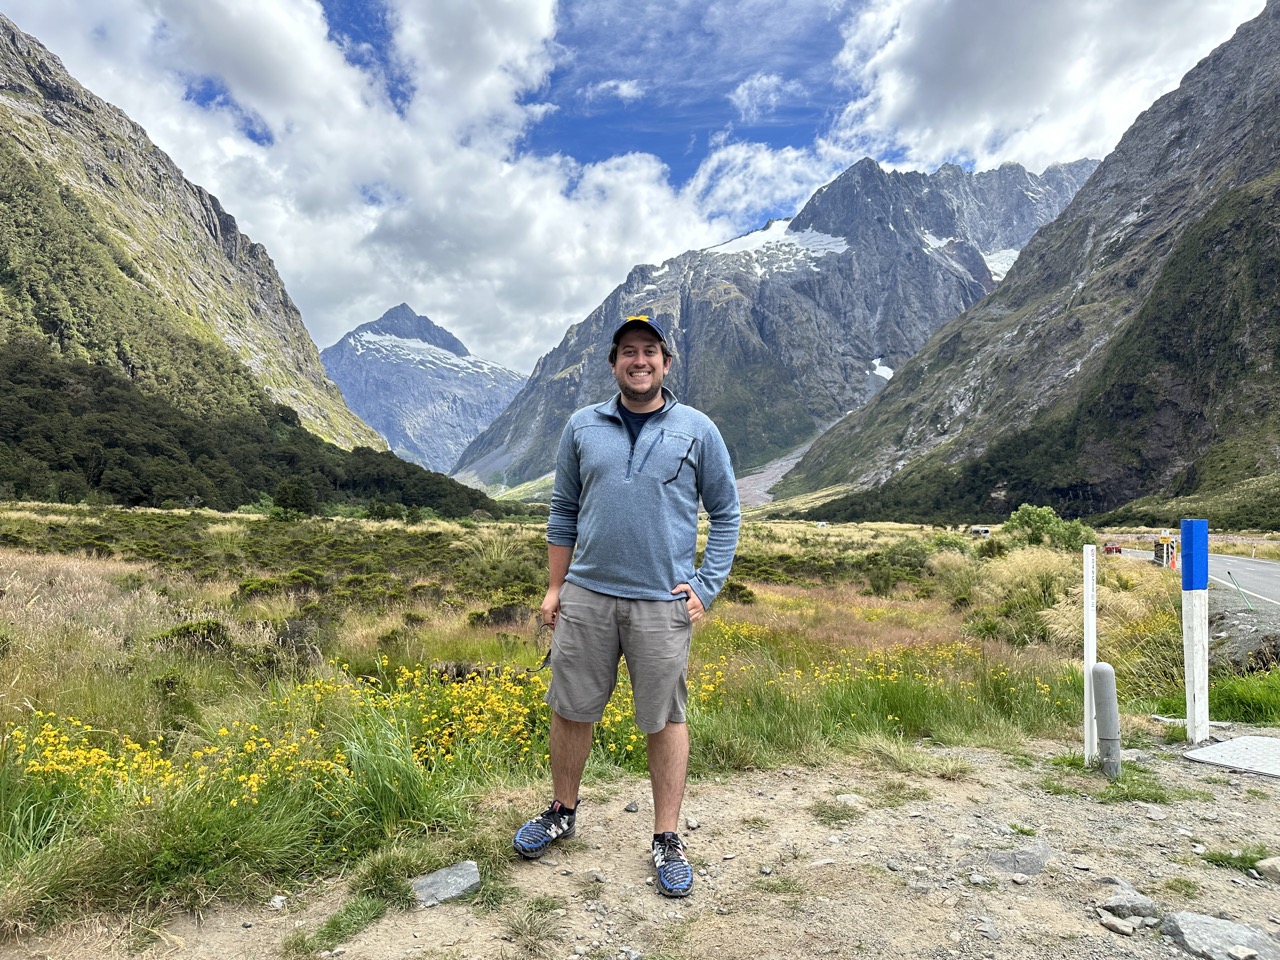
x=85, y=636
x=1139, y=625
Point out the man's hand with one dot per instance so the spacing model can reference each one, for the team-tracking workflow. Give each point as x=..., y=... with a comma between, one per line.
x=550, y=609
x=696, y=610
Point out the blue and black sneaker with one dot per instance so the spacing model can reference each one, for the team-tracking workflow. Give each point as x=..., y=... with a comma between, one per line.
x=675, y=875
x=536, y=836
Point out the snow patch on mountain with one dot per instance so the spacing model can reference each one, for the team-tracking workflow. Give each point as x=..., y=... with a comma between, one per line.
x=776, y=249
x=424, y=355
x=999, y=262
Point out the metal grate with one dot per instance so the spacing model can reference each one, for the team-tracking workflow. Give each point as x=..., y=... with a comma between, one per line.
x=1246, y=754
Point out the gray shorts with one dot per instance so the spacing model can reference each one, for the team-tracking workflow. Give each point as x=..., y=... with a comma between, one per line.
x=594, y=631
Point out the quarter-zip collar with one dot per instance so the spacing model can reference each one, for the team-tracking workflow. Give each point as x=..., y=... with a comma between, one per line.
x=610, y=407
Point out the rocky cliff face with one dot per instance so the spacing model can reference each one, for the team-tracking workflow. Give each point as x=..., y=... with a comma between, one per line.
x=177, y=238
x=782, y=332
x=418, y=386
x=1079, y=342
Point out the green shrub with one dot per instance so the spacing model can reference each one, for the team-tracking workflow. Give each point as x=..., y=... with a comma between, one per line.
x=735, y=591
x=1041, y=526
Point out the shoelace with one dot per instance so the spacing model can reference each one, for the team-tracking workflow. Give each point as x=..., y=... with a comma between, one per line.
x=555, y=819
x=670, y=850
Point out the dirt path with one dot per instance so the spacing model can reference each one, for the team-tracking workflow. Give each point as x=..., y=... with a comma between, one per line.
x=925, y=868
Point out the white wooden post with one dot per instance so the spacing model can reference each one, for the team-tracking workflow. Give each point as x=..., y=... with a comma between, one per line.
x=1090, y=651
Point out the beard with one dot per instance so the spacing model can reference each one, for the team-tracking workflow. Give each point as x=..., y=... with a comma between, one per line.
x=640, y=396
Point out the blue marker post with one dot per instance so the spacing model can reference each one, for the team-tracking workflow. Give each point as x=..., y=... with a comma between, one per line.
x=1195, y=626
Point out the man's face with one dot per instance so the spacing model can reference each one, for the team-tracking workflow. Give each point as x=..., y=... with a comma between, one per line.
x=639, y=368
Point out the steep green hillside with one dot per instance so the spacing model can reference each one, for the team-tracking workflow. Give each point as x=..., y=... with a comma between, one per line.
x=71, y=430
x=1187, y=399
x=184, y=278
x=107, y=392
x=62, y=275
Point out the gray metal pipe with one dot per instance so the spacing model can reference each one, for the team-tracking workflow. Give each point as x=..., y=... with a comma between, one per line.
x=1106, y=708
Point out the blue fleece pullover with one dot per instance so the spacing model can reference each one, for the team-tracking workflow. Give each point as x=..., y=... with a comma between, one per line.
x=632, y=510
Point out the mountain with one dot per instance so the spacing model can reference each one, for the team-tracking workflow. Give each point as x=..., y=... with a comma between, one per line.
x=1133, y=348
x=780, y=333
x=417, y=385
x=213, y=323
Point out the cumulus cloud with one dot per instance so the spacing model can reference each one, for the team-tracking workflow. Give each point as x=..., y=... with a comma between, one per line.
x=363, y=204
x=749, y=181
x=1030, y=82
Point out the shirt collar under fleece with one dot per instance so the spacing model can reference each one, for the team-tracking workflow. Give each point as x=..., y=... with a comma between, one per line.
x=610, y=407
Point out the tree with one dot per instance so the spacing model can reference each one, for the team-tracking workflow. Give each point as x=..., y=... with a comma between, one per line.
x=1042, y=525
x=293, y=496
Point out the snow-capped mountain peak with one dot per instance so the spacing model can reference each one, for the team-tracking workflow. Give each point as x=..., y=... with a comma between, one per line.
x=417, y=384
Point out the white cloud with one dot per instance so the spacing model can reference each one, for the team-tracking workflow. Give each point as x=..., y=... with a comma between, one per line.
x=747, y=181
x=628, y=91
x=1030, y=82
x=761, y=94
x=505, y=250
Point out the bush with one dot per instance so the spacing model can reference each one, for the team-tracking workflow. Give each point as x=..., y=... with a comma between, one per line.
x=1041, y=526
x=295, y=498
x=736, y=592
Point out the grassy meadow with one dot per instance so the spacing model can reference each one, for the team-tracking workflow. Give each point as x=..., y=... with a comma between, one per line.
x=198, y=706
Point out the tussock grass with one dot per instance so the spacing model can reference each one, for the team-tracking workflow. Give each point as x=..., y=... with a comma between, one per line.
x=1139, y=626
x=535, y=928
x=896, y=754
x=352, y=917
x=1244, y=859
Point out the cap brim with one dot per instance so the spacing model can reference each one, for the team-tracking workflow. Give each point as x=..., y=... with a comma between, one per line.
x=635, y=324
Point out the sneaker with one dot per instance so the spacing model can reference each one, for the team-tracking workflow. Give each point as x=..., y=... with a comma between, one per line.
x=536, y=836
x=675, y=875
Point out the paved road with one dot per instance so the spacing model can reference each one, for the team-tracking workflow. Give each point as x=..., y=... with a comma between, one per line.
x=1259, y=580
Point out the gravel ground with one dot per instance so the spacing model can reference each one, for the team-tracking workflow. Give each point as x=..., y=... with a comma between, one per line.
x=1242, y=635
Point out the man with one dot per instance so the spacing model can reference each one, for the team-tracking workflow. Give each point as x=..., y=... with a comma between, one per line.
x=629, y=475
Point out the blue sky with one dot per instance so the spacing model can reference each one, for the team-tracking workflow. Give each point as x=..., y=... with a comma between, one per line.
x=674, y=80
x=501, y=164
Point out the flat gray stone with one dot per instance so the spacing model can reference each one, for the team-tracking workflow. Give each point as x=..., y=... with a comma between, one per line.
x=1116, y=924
x=1029, y=860
x=1252, y=754
x=447, y=884
x=1213, y=939
x=1129, y=903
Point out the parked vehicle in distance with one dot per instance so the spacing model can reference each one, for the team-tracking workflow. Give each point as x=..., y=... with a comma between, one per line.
x=982, y=532
x=1111, y=548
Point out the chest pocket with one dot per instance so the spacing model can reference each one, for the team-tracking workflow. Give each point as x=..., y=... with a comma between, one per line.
x=673, y=456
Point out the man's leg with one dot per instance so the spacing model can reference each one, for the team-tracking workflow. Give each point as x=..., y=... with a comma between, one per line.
x=668, y=769
x=570, y=744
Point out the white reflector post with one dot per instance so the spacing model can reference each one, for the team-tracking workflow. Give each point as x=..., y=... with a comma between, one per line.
x=1090, y=651
x=1195, y=626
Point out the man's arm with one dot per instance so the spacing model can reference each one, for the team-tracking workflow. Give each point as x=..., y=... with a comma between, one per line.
x=562, y=523
x=558, y=558
x=718, y=489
